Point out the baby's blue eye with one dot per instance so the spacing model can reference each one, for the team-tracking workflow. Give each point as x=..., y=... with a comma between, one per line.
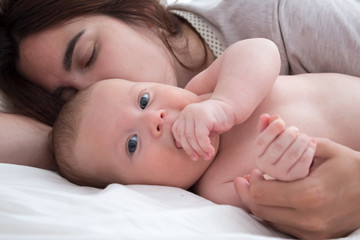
x=144, y=100
x=132, y=144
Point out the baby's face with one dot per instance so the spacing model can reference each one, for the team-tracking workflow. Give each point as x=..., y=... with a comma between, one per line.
x=125, y=135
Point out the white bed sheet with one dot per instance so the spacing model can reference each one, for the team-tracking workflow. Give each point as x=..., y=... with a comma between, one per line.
x=40, y=204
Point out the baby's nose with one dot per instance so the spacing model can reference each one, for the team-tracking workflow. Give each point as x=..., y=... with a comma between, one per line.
x=157, y=122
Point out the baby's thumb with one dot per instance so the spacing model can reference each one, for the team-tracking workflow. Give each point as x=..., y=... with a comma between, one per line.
x=175, y=135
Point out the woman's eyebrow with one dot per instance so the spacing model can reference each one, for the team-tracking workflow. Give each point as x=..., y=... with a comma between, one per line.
x=67, y=61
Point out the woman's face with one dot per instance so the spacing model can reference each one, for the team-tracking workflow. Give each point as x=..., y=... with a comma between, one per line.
x=90, y=49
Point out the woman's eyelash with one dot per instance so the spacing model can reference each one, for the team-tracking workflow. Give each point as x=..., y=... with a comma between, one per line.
x=92, y=57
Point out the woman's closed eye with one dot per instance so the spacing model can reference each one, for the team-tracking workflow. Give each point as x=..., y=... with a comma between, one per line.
x=90, y=56
x=132, y=145
x=144, y=100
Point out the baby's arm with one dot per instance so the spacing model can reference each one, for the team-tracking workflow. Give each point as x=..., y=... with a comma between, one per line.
x=282, y=152
x=241, y=77
x=238, y=80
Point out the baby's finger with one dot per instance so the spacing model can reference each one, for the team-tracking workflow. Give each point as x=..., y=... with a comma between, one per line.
x=267, y=136
x=203, y=138
x=301, y=168
x=278, y=147
x=290, y=157
x=264, y=121
x=193, y=133
x=178, y=130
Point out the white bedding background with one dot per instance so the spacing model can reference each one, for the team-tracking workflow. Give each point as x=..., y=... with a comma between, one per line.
x=39, y=204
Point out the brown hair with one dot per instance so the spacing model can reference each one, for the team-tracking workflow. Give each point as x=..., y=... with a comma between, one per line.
x=21, y=18
x=63, y=136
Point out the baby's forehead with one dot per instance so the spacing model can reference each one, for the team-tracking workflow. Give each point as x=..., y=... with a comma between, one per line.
x=124, y=84
x=105, y=98
x=108, y=84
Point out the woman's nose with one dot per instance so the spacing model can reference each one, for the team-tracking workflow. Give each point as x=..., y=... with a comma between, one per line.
x=155, y=121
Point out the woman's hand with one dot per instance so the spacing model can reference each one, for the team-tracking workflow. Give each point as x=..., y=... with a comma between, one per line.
x=193, y=129
x=323, y=205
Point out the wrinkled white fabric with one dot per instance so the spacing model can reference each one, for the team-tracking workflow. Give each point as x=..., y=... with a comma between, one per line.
x=39, y=204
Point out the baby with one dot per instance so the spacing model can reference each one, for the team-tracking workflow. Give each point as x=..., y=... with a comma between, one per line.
x=206, y=135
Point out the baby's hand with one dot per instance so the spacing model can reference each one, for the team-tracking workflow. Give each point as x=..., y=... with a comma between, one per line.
x=283, y=152
x=196, y=122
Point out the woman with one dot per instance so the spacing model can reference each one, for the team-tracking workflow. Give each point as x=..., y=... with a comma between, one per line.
x=49, y=49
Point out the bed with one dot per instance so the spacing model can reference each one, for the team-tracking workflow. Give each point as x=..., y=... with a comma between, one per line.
x=40, y=204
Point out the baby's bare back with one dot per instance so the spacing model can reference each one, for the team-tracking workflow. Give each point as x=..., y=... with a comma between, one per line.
x=320, y=105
